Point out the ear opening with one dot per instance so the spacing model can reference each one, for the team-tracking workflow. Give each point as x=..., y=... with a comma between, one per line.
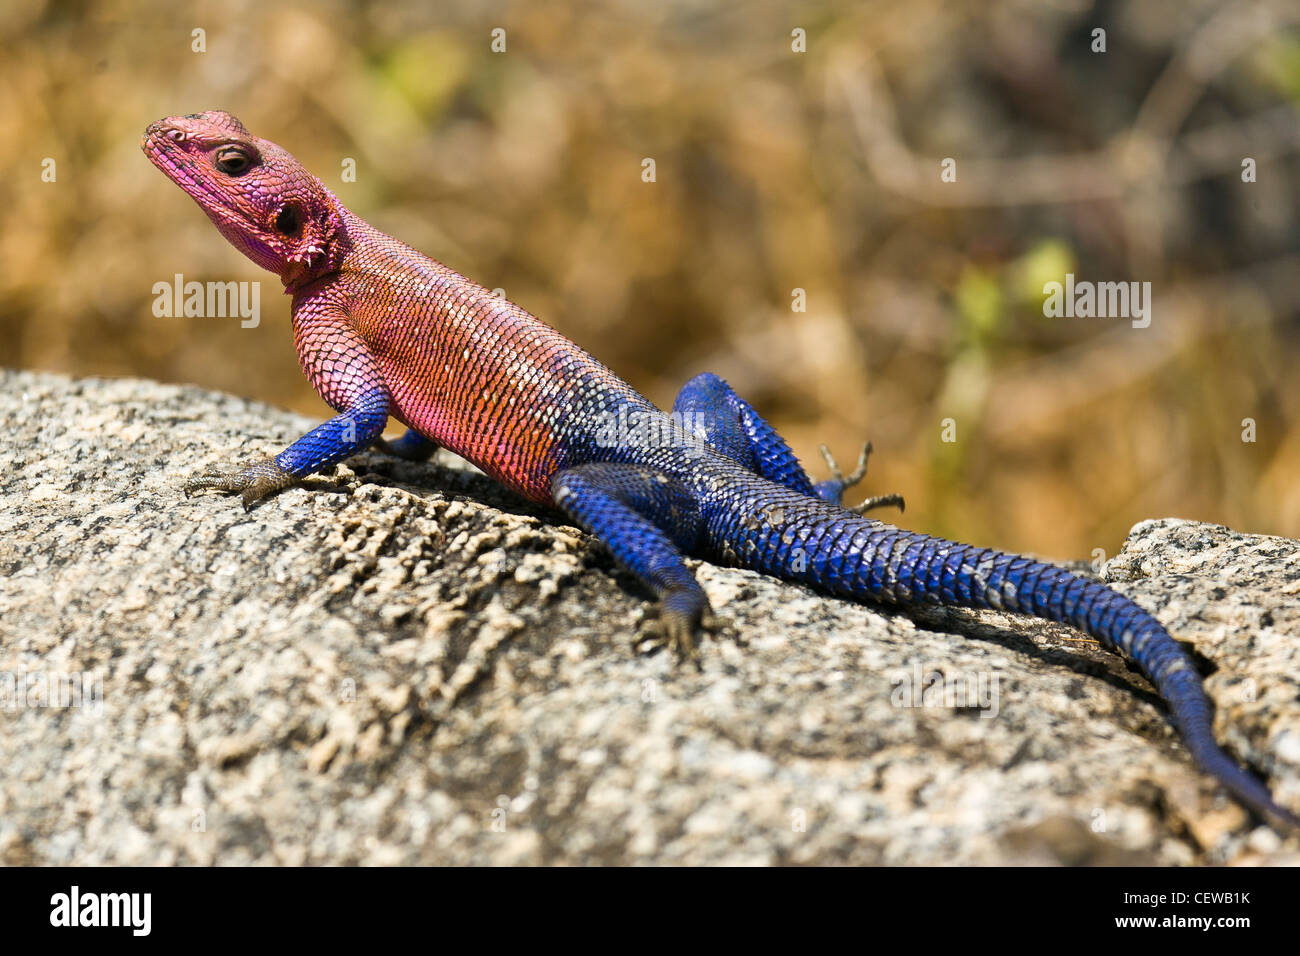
x=289, y=221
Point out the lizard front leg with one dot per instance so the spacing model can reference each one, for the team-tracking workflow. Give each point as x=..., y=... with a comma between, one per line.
x=340, y=437
x=348, y=377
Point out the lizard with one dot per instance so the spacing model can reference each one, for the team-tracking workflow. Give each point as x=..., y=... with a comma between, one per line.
x=383, y=331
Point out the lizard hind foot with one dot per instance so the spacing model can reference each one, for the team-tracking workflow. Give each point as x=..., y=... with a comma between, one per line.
x=678, y=620
x=833, y=489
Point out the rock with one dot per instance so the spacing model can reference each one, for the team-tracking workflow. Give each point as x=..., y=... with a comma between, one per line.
x=402, y=663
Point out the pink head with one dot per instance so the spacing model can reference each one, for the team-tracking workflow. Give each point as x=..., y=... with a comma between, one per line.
x=259, y=196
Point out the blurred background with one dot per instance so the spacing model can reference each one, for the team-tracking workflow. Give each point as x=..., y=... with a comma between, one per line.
x=776, y=170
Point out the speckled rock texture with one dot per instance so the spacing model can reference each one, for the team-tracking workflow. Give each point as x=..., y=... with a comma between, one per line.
x=401, y=663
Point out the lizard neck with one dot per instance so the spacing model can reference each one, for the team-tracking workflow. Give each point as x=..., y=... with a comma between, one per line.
x=333, y=237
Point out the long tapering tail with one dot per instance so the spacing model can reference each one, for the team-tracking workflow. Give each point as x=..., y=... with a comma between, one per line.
x=793, y=537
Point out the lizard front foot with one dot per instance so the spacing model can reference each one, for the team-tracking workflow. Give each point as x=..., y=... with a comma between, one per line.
x=252, y=482
x=833, y=490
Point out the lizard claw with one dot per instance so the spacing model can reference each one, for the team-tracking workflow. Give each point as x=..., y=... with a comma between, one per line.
x=880, y=501
x=859, y=472
x=251, y=483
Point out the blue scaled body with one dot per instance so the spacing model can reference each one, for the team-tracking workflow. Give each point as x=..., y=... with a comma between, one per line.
x=724, y=485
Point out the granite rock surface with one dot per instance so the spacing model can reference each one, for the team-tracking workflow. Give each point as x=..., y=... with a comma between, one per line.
x=401, y=663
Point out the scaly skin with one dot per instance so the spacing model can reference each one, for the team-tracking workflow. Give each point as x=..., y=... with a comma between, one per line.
x=383, y=331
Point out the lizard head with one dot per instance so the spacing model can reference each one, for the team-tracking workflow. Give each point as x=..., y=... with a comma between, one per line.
x=259, y=196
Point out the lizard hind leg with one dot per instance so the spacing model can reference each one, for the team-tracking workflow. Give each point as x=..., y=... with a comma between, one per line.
x=703, y=408
x=646, y=520
x=730, y=424
x=734, y=428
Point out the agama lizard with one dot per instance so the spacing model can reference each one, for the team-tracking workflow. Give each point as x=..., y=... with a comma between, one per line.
x=383, y=331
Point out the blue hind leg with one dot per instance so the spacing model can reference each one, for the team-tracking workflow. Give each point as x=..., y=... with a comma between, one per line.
x=709, y=405
x=647, y=521
x=729, y=423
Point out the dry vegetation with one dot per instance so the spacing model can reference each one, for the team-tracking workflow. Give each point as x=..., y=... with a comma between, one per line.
x=775, y=171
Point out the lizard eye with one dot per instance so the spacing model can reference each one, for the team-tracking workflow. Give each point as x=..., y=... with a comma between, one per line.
x=232, y=161
x=289, y=222
x=176, y=135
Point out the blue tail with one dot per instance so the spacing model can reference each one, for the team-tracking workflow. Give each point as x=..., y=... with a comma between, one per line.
x=782, y=533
